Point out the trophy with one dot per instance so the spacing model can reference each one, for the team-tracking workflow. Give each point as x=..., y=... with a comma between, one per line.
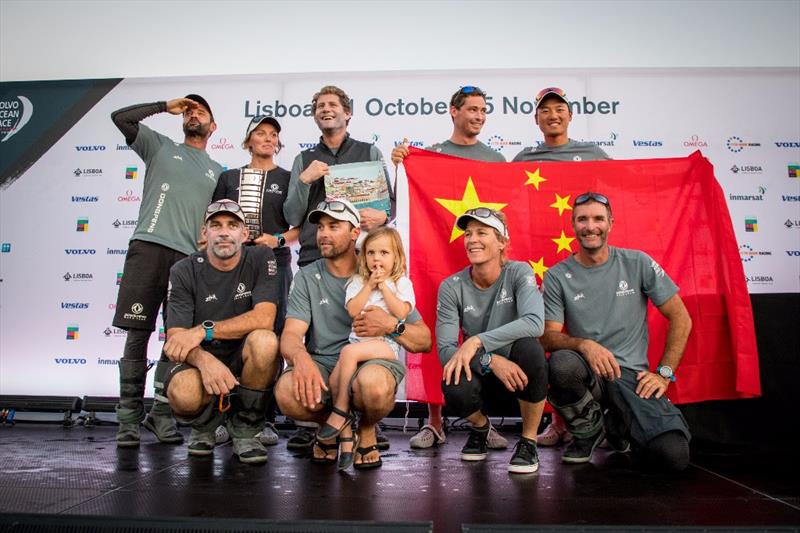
x=251, y=196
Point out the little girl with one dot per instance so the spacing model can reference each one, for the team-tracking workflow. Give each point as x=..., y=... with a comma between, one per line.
x=380, y=281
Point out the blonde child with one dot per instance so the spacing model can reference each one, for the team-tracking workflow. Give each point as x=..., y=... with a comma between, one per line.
x=380, y=281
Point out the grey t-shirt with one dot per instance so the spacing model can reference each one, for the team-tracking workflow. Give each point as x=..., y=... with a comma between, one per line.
x=317, y=298
x=509, y=310
x=572, y=151
x=608, y=303
x=477, y=151
x=178, y=185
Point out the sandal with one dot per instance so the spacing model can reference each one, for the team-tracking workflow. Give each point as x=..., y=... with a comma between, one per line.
x=364, y=451
x=346, y=458
x=325, y=448
x=328, y=432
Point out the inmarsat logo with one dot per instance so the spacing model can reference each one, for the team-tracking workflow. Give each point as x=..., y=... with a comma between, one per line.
x=15, y=112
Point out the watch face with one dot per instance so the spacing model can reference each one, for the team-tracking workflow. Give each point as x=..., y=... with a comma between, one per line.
x=486, y=359
x=665, y=371
x=400, y=329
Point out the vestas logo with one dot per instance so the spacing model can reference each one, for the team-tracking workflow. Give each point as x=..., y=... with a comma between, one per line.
x=80, y=251
x=74, y=305
x=83, y=199
x=416, y=144
x=15, y=112
x=790, y=198
x=90, y=148
x=69, y=361
x=647, y=143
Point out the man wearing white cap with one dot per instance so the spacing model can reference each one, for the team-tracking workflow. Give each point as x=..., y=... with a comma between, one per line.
x=318, y=327
x=553, y=115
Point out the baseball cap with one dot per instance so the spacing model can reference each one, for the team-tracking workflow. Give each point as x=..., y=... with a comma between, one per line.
x=547, y=91
x=256, y=122
x=224, y=206
x=484, y=215
x=202, y=101
x=337, y=208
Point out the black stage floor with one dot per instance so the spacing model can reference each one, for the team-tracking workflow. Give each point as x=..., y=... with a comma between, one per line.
x=49, y=470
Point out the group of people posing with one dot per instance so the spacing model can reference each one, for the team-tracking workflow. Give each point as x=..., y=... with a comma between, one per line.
x=211, y=246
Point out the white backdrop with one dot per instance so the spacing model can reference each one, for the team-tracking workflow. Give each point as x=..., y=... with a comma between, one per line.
x=60, y=283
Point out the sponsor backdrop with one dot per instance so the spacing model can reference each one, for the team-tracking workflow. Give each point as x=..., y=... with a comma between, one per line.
x=71, y=188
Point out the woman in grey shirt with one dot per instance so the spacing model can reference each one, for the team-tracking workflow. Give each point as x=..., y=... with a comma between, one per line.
x=497, y=305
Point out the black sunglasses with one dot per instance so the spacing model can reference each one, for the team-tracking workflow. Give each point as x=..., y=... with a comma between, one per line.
x=335, y=206
x=597, y=197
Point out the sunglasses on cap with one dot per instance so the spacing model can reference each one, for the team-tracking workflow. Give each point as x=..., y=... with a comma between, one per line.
x=227, y=206
x=589, y=196
x=485, y=213
x=335, y=206
x=469, y=89
x=550, y=90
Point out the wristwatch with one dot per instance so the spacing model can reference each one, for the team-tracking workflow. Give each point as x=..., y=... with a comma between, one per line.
x=208, y=325
x=486, y=360
x=399, y=329
x=281, y=239
x=666, y=372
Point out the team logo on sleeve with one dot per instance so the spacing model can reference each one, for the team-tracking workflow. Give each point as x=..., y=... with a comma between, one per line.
x=272, y=267
x=657, y=269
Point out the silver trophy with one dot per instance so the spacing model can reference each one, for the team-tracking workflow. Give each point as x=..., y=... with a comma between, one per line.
x=251, y=197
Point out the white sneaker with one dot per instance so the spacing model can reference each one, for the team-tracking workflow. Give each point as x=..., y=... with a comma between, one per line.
x=268, y=436
x=553, y=436
x=221, y=435
x=495, y=441
x=427, y=437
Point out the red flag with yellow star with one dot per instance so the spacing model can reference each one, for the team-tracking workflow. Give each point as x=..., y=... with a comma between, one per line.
x=672, y=209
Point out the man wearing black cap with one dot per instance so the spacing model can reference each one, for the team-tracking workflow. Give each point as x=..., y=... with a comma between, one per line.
x=224, y=354
x=178, y=184
x=553, y=115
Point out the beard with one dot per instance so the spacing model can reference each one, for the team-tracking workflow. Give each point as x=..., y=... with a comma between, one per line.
x=225, y=253
x=334, y=250
x=196, y=129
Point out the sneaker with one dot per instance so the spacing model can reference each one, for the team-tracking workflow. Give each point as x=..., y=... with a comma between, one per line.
x=302, y=439
x=201, y=443
x=221, y=435
x=525, y=460
x=127, y=435
x=495, y=441
x=249, y=450
x=164, y=428
x=268, y=436
x=580, y=450
x=380, y=439
x=427, y=438
x=616, y=443
x=475, y=448
x=551, y=436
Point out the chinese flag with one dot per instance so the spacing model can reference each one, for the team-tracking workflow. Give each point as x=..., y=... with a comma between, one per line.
x=672, y=209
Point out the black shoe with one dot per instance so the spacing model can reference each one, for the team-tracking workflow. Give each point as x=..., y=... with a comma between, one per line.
x=302, y=439
x=580, y=450
x=475, y=448
x=381, y=439
x=525, y=460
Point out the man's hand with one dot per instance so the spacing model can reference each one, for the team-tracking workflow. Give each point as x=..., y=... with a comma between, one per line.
x=650, y=383
x=372, y=218
x=400, y=152
x=374, y=322
x=315, y=171
x=267, y=240
x=179, y=344
x=217, y=377
x=509, y=373
x=460, y=361
x=179, y=106
x=601, y=360
x=307, y=381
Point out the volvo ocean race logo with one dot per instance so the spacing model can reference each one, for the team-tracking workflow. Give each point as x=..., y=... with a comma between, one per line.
x=15, y=112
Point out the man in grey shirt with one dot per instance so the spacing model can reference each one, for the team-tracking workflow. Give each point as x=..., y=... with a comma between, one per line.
x=468, y=112
x=600, y=362
x=553, y=115
x=317, y=328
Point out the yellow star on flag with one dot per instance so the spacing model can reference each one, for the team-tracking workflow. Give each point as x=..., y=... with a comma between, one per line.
x=469, y=200
x=538, y=267
x=534, y=179
x=562, y=204
x=563, y=242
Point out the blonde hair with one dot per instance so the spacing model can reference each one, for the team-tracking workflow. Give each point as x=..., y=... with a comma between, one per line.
x=399, y=266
